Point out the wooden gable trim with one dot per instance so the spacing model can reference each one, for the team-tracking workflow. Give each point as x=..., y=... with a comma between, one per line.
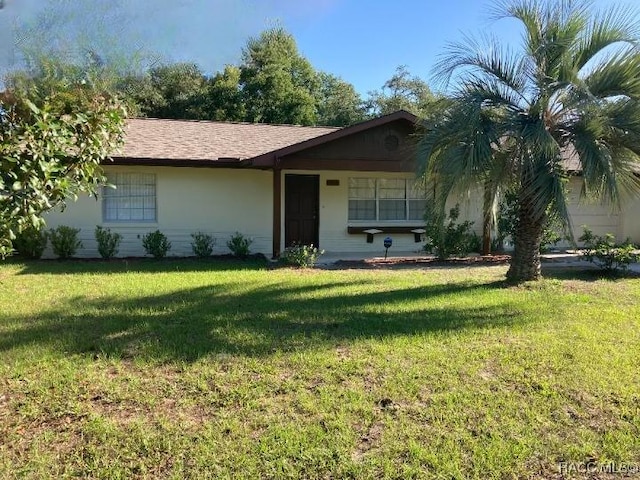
x=270, y=159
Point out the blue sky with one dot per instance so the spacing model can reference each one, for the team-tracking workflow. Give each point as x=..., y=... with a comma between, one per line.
x=363, y=41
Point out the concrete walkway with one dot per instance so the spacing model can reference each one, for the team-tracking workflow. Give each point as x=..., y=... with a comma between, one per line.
x=574, y=259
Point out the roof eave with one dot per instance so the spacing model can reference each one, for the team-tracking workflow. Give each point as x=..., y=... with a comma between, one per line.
x=179, y=162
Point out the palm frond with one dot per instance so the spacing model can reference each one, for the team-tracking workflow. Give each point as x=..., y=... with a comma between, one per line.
x=488, y=93
x=529, y=12
x=551, y=29
x=623, y=124
x=617, y=75
x=559, y=200
x=513, y=116
x=458, y=148
x=608, y=156
x=485, y=58
x=608, y=27
x=565, y=22
x=543, y=184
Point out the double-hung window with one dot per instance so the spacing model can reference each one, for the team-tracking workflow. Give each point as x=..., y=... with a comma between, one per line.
x=386, y=199
x=133, y=199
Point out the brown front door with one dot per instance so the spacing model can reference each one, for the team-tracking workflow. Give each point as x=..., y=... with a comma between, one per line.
x=301, y=209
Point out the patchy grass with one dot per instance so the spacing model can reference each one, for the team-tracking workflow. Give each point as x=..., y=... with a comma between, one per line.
x=185, y=369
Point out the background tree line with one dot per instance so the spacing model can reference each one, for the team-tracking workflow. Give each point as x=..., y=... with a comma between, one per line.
x=273, y=83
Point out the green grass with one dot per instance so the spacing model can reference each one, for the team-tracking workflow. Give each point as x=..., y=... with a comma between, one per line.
x=181, y=369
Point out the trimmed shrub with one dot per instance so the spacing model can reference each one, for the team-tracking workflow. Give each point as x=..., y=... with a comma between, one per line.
x=31, y=243
x=108, y=242
x=239, y=245
x=302, y=255
x=202, y=244
x=64, y=241
x=606, y=253
x=156, y=244
x=507, y=224
x=447, y=238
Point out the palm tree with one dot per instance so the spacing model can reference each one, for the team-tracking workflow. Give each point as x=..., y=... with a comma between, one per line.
x=515, y=118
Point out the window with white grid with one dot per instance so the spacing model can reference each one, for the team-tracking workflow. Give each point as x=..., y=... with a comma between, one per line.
x=386, y=199
x=133, y=199
x=362, y=199
x=416, y=200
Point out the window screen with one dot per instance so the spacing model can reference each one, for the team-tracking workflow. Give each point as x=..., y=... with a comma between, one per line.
x=362, y=199
x=133, y=199
x=386, y=199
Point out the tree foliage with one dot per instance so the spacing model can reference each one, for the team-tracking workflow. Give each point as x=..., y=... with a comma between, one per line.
x=402, y=91
x=54, y=133
x=273, y=83
x=224, y=98
x=337, y=102
x=515, y=116
x=177, y=90
x=277, y=81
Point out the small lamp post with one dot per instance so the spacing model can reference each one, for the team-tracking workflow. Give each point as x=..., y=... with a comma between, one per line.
x=388, y=241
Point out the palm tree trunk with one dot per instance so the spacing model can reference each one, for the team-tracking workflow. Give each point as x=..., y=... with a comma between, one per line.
x=486, y=219
x=525, y=262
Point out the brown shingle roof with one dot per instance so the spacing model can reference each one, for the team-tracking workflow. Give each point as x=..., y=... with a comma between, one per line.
x=151, y=138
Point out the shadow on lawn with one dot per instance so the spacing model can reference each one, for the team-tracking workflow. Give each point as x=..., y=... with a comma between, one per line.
x=240, y=320
x=142, y=265
x=586, y=273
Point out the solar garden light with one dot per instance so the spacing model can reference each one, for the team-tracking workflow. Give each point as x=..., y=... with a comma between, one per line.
x=388, y=241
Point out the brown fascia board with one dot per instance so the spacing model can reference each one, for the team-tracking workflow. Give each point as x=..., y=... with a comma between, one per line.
x=173, y=162
x=362, y=165
x=268, y=159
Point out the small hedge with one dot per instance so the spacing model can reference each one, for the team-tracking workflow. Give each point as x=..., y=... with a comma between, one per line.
x=202, y=244
x=604, y=252
x=156, y=244
x=303, y=256
x=239, y=245
x=31, y=243
x=64, y=241
x=108, y=242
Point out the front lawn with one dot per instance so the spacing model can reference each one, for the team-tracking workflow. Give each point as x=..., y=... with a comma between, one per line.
x=181, y=369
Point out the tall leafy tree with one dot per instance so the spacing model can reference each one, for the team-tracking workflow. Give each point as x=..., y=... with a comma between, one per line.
x=515, y=116
x=278, y=83
x=402, y=91
x=175, y=91
x=224, y=98
x=337, y=102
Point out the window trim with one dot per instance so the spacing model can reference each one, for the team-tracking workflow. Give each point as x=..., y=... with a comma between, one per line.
x=407, y=200
x=106, y=221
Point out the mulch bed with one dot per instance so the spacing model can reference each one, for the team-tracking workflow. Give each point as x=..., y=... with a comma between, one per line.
x=373, y=263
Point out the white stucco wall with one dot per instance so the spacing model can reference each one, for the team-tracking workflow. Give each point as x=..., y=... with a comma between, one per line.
x=600, y=217
x=215, y=201
x=222, y=201
x=334, y=212
x=630, y=221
